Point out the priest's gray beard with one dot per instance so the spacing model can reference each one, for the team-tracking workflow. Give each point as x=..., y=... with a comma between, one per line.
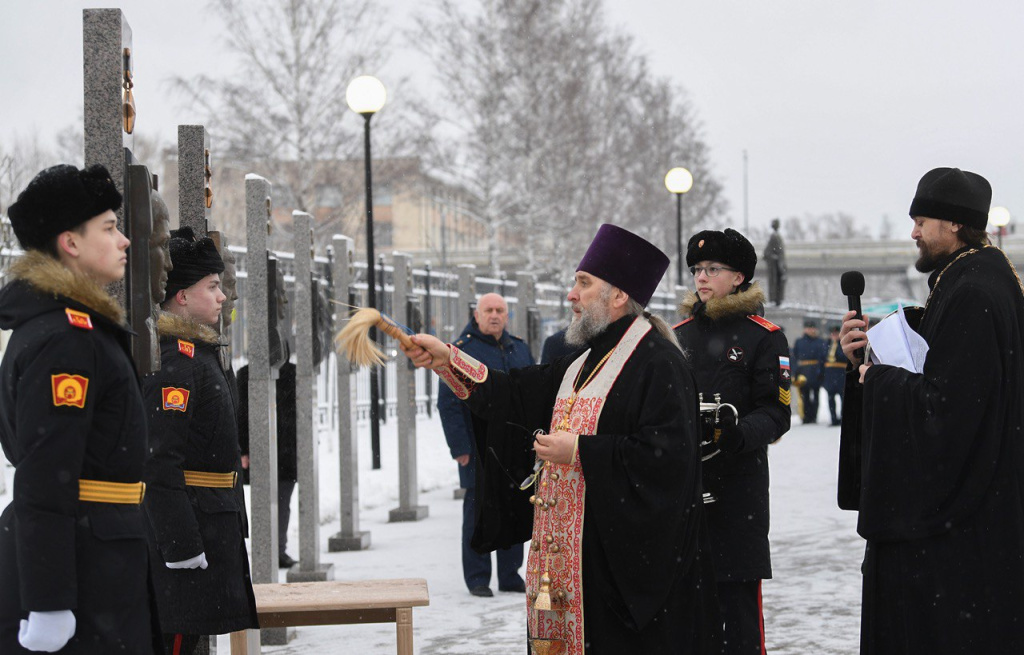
x=591, y=321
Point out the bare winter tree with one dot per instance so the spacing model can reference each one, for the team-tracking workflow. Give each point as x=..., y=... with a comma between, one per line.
x=823, y=227
x=560, y=125
x=283, y=110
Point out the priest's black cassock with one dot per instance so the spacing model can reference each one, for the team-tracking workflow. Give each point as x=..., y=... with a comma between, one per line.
x=935, y=464
x=648, y=581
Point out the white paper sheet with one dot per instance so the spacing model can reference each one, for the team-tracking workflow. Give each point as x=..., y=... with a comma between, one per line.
x=894, y=342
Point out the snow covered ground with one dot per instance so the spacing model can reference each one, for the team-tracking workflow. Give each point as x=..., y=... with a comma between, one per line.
x=811, y=606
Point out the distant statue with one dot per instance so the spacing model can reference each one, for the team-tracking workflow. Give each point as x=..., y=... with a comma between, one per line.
x=775, y=257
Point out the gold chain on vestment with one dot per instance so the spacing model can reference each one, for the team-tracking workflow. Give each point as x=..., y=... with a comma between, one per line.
x=935, y=286
x=564, y=423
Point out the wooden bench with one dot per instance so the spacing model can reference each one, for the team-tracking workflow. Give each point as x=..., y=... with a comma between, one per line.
x=334, y=602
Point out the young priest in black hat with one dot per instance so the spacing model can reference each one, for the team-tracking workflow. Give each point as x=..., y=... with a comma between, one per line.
x=738, y=354
x=618, y=561
x=73, y=557
x=937, y=457
x=196, y=536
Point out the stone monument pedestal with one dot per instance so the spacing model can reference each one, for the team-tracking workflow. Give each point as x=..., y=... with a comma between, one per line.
x=341, y=542
x=320, y=573
x=415, y=513
x=276, y=636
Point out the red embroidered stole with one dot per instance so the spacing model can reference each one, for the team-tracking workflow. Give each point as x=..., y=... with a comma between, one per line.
x=557, y=542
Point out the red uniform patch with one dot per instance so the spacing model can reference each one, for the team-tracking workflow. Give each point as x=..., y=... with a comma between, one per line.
x=69, y=390
x=186, y=348
x=78, y=319
x=763, y=322
x=175, y=398
x=682, y=322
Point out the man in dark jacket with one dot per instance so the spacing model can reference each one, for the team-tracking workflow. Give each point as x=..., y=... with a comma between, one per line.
x=737, y=354
x=73, y=559
x=835, y=374
x=196, y=536
x=938, y=454
x=486, y=339
x=809, y=369
x=287, y=446
x=619, y=560
x=555, y=347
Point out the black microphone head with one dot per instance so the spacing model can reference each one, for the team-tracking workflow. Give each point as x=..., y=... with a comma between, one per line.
x=852, y=283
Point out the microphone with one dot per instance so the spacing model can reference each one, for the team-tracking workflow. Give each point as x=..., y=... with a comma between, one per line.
x=852, y=284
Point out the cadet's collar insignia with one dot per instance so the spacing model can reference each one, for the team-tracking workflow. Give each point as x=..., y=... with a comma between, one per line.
x=78, y=319
x=186, y=348
x=784, y=368
x=175, y=398
x=735, y=354
x=69, y=389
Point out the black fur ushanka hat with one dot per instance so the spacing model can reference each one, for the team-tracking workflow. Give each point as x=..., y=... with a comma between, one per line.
x=58, y=199
x=729, y=247
x=193, y=260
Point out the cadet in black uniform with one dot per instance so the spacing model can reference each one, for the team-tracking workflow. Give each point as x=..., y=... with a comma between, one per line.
x=735, y=352
x=197, y=544
x=73, y=558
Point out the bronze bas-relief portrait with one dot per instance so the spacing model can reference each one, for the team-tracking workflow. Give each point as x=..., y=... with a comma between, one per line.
x=159, y=252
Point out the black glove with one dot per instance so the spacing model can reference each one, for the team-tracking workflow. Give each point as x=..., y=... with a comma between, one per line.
x=727, y=418
x=730, y=439
x=708, y=436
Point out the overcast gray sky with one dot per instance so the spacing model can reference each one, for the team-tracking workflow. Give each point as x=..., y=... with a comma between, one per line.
x=840, y=105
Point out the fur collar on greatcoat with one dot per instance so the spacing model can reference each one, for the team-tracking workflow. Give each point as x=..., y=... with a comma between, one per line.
x=48, y=276
x=741, y=303
x=180, y=327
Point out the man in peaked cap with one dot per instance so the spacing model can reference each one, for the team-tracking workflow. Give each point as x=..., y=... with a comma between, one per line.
x=934, y=461
x=73, y=558
x=196, y=519
x=618, y=561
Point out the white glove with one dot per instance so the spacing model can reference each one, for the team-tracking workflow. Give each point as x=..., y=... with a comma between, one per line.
x=47, y=632
x=197, y=562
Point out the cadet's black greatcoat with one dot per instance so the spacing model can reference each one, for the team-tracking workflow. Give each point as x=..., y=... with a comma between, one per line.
x=57, y=552
x=745, y=360
x=646, y=573
x=186, y=520
x=941, y=472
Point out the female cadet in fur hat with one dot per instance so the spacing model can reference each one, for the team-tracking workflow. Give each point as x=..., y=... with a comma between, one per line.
x=736, y=353
x=197, y=542
x=73, y=560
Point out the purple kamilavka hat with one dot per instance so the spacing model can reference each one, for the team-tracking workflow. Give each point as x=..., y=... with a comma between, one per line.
x=626, y=261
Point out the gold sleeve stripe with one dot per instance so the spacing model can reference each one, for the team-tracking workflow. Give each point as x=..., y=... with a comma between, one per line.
x=122, y=493
x=215, y=480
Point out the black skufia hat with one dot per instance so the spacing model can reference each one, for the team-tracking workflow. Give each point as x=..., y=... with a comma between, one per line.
x=58, y=199
x=729, y=247
x=193, y=260
x=951, y=194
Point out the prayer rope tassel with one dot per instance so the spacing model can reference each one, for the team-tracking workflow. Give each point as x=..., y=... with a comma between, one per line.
x=354, y=339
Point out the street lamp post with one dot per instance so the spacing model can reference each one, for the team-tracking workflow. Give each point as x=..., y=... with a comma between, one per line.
x=679, y=181
x=366, y=96
x=1000, y=217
